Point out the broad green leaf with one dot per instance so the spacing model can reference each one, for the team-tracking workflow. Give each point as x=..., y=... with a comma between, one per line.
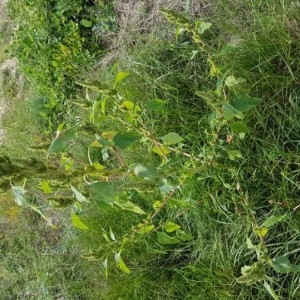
x=239, y=126
x=170, y=226
x=234, y=154
x=128, y=105
x=145, y=171
x=161, y=150
x=121, y=76
x=122, y=265
x=86, y=23
x=244, y=103
x=227, y=49
x=232, y=81
x=183, y=236
x=105, y=191
x=77, y=222
x=45, y=187
x=272, y=220
x=171, y=138
x=125, y=139
x=271, y=291
x=230, y=112
x=157, y=104
x=282, y=264
x=79, y=197
x=127, y=205
x=165, y=239
x=252, y=274
x=62, y=141
x=19, y=194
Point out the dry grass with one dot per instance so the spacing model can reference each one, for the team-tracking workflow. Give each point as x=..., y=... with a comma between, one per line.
x=142, y=18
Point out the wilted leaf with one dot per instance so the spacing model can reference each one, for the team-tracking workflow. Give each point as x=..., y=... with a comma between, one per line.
x=19, y=194
x=252, y=274
x=79, y=197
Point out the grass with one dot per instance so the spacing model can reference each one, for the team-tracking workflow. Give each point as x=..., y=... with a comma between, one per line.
x=217, y=207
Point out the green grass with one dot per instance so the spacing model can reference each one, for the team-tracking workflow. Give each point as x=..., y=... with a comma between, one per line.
x=222, y=203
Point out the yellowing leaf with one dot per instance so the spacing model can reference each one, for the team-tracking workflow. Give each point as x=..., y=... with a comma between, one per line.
x=171, y=226
x=262, y=231
x=45, y=187
x=144, y=228
x=95, y=144
x=129, y=105
x=121, y=264
x=161, y=150
x=121, y=76
x=78, y=223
